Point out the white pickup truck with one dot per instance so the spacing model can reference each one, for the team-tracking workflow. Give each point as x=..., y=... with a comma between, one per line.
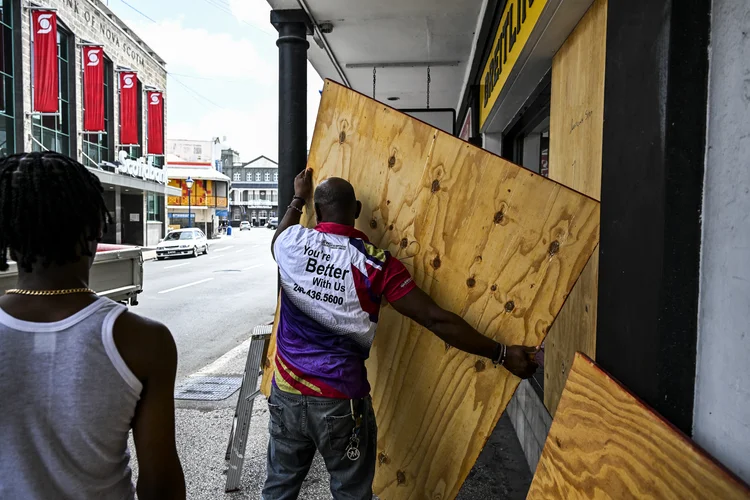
x=117, y=273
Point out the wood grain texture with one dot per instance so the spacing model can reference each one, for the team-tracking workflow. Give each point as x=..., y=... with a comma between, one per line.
x=576, y=132
x=605, y=443
x=489, y=240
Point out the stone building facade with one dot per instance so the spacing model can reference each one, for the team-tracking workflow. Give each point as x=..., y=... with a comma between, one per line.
x=254, y=196
x=135, y=184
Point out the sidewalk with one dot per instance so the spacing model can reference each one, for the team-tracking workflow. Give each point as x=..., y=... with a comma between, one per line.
x=203, y=432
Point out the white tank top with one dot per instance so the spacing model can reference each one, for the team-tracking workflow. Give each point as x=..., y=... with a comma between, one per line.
x=67, y=400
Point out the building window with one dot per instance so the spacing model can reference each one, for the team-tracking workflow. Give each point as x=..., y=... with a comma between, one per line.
x=268, y=177
x=263, y=195
x=96, y=146
x=197, y=150
x=237, y=177
x=257, y=177
x=276, y=177
x=245, y=196
x=52, y=133
x=156, y=160
x=155, y=204
x=249, y=177
x=7, y=94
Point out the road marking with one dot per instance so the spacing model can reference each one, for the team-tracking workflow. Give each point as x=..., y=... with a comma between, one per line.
x=178, y=265
x=225, y=248
x=215, y=257
x=253, y=267
x=239, y=251
x=185, y=286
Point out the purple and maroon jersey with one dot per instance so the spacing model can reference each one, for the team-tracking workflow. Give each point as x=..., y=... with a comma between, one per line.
x=332, y=282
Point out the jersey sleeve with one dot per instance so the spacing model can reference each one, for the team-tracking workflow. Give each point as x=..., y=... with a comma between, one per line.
x=397, y=280
x=286, y=242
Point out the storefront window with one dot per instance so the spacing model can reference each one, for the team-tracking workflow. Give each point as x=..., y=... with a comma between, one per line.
x=7, y=95
x=156, y=160
x=155, y=207
x=52, y=133
x=96, y=146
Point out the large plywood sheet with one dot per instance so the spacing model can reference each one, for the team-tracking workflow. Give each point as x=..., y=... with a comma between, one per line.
x=576, y=132
x=497, y=244
x=604, y=443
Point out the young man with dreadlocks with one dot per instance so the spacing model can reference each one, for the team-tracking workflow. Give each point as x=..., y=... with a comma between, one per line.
x=77, y=372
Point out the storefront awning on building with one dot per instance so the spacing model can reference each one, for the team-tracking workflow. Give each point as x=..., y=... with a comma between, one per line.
x=196, y=173
x=400, y=40
x=129, y=182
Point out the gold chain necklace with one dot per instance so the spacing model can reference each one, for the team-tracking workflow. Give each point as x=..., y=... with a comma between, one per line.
x=48, y=293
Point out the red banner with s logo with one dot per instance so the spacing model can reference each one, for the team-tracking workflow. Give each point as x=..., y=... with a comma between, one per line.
x=129, y=109
x=156, y=123
x=93, y=89
x=46, y=72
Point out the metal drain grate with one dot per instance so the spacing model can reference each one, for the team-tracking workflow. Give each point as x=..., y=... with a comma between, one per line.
x=207, y=388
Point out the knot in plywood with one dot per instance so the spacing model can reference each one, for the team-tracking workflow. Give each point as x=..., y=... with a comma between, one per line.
x=391, y=162
x=479, y=366
x=436, y=262
x=554, y=247
x=404, y=243
x=471, y=282
x=374, y=224
x=435, y=186
x=499, y=217
x=509, y=306
x=400, y=477
x=342, y=137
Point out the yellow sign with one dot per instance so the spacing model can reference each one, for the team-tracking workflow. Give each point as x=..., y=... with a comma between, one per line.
x=516, y=25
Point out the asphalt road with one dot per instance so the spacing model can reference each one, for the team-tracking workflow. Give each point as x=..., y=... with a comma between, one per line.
x=212, y=303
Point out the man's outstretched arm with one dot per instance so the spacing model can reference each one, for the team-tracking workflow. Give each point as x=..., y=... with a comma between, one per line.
x=452, y=329
x=302, y=193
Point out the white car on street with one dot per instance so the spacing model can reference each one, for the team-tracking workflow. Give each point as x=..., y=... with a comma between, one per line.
x=182, y=242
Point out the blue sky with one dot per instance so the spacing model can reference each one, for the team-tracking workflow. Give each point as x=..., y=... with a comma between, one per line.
x=223, y=64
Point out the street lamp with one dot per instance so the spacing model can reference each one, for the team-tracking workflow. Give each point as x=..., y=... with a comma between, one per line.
x=189, y=184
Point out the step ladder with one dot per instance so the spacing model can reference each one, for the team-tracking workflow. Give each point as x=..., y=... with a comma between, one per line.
x=248, y=392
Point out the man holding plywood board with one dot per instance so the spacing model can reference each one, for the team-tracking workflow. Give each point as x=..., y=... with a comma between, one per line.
x=498, y=244
x=332, y=281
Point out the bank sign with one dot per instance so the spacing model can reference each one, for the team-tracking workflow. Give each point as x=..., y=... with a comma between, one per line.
x=516, y=24
x=137, y=168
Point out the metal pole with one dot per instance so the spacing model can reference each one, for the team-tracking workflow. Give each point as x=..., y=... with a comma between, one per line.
x=190, y=209
x=292, y=26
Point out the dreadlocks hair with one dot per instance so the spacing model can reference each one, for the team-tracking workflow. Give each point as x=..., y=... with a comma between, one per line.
x=51, y=208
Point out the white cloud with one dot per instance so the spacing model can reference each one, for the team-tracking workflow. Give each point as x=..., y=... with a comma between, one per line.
x=255, y=12
x=250, y=128
x=201, y=53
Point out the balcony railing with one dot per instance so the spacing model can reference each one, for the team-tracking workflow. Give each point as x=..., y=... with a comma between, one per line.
x=198, y=201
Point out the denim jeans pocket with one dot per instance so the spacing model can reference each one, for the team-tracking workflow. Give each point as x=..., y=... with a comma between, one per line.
x=276, y=427
x=339, y=431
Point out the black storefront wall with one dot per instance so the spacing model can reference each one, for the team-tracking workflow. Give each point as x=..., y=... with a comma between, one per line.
x=652, y=184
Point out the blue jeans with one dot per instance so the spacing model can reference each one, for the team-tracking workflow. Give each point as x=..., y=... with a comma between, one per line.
x=299, y=425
